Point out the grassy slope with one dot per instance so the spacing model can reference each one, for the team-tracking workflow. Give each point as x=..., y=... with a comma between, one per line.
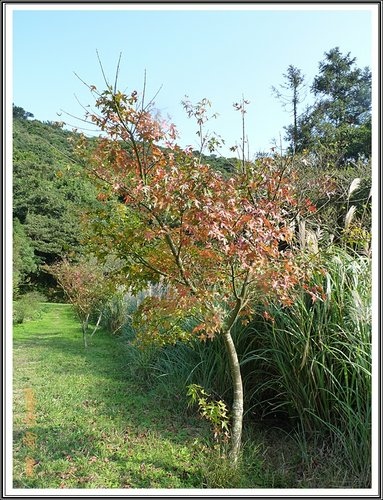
x=92, y=427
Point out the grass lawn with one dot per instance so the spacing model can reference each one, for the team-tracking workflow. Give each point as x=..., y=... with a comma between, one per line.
x=80, y=423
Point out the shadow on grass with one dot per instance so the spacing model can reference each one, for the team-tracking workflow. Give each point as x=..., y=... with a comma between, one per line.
x=101, y=411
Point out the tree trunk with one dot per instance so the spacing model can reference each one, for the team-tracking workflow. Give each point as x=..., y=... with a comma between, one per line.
x=237, y=409
x=97, y=324
x=85, y=329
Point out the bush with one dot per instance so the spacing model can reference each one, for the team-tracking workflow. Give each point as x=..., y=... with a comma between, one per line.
x=28, y=307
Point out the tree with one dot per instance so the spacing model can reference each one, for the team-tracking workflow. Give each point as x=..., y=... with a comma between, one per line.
x=86, y=286
x=20, y=113
x=337, y=127
x=212, y=242
x=24, y=261
x=344, y=91
x=295, y=84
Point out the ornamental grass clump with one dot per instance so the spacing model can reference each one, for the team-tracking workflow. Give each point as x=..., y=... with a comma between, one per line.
x=319, y=356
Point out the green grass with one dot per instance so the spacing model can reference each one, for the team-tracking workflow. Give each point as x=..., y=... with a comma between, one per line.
x=92, y=428
x=82, y=421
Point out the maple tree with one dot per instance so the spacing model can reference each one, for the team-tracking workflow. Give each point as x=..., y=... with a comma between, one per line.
x=212, y=242
x=86, y=287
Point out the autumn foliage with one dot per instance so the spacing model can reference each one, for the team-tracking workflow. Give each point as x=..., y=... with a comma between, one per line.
x=214, y=243
x=85, y=286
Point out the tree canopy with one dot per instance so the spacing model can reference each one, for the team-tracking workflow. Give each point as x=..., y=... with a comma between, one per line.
x=337, y=127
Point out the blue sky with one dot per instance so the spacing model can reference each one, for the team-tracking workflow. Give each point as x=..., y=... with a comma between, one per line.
x=218, y=54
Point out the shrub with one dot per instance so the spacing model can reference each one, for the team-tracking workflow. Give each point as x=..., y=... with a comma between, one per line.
x=27, y=307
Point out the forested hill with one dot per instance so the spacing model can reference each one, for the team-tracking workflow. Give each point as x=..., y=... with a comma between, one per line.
x=46, y=199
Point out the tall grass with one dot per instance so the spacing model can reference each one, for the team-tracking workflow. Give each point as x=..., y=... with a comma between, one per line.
x=117, y=312
x=318, y=356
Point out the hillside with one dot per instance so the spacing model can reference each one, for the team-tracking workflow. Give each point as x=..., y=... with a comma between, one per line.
x=47, y=197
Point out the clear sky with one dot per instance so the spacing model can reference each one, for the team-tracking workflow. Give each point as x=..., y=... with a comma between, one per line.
x=218, y=54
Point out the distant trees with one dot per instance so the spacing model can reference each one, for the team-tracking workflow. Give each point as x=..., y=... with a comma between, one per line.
x=20, y=113
x=24, y=260
x=47, y=202
x=337, y=127
x=344, y=91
